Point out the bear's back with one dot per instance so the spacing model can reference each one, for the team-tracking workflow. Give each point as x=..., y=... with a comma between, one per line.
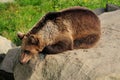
x=78, y=17
x=82, y=20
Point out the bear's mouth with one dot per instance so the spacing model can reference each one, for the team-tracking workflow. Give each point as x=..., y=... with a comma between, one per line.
x=24, y=58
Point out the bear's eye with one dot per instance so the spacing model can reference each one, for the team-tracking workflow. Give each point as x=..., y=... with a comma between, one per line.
x=26, y=51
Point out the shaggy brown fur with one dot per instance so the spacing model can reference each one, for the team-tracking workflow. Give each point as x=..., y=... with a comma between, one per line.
x=72, y=28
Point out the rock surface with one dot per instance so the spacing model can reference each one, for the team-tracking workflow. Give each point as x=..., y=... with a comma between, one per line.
x=5, y=45
x=101, y=62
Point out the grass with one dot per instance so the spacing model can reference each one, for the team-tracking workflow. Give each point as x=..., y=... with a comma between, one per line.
x=23, y=14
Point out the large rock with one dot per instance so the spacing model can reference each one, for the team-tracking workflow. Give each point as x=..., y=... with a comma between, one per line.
x=101, y=62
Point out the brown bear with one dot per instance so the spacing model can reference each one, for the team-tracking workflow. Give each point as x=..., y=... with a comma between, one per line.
x=72, y=28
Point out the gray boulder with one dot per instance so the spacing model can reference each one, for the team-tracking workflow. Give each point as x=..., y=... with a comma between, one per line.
x=101, y=62
x=10, y=60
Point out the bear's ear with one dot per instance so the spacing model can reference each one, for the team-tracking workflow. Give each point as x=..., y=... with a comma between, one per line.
x=33, y=40
x=20, y=35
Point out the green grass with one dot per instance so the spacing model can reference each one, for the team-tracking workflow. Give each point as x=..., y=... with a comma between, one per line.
x=23, y=14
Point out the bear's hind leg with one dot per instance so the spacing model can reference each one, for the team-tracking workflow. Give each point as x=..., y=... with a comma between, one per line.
x=86, y=42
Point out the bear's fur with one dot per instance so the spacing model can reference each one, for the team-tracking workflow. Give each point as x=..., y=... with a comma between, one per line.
x=72, y=28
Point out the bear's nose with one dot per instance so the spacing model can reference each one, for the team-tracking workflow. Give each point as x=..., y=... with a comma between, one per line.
x=24, y=63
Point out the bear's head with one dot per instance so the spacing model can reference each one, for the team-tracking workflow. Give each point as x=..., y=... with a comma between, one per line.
x=29, y=48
